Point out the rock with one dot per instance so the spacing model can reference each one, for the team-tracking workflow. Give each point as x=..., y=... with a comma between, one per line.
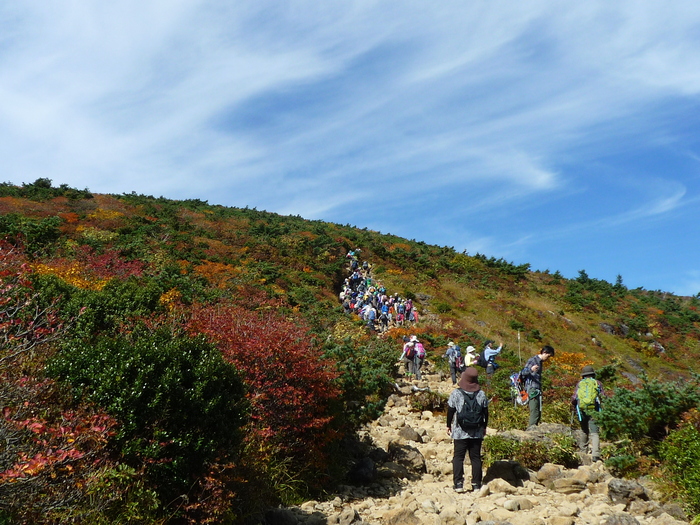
x=549, y=472
x=378, y=455
x=280, y=517
x=510, y=471
x=675, y=510
x=607, y=328
x=562, y=520
x=568, y=509
x=407, y=456
x=409, y=434
x=511, y=505
x=665, y=519
x=393, y=470
x=348, y=516
x=364, y=471
x=385, y=420
x=640, y=507
x=500, y=485
x=400, y=516
x=316, y=519
x=525, y=504
x=657, y=347
x=625, y=491
x=568, y=485
x=619, y=519
x=430, y=507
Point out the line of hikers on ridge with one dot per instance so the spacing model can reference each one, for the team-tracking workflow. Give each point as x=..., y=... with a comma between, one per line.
x=368, y=298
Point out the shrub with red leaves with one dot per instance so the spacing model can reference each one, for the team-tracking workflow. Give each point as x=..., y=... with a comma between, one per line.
x=290, y=386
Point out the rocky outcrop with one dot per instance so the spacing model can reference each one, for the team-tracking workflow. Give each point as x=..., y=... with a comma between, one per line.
x=406, y=478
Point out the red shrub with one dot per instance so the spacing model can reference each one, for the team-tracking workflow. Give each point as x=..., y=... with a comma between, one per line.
x=289, y=386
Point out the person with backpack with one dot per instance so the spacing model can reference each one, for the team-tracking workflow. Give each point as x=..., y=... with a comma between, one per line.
x=586, y=402
x=419, y=356
x=407, y=355
x=489, y=356
x=454, y=358
x=467, y=419
x=532, y=375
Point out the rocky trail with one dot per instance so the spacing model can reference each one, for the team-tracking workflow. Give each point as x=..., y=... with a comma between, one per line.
x=405, y=478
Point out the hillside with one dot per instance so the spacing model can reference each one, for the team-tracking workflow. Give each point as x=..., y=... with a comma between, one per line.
x=302, y=262
x=118, y=307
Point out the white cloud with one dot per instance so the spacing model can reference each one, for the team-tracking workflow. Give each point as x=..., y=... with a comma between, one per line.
x=316, y=108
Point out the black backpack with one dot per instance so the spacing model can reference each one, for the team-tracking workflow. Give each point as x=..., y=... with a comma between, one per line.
x=471, y=417
x=481, y=360
x=411, y=352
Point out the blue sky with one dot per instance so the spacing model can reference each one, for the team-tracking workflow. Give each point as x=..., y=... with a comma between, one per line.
x=561, y=134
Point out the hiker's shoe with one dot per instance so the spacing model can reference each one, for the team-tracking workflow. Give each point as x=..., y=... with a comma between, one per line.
x=459, y=488
x=476, y=487
x=595, y=459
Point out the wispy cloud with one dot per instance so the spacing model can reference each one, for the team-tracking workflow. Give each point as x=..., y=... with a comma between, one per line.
x=327, y=109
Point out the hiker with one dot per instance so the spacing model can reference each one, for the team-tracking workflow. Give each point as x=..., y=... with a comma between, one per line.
x=454, y=358
x=407, y=356
x=532, y=374
x=490, y=354
x=586, y=402
x=467, y=404
x=371, y=317
x=418, y=357
x=470, y=356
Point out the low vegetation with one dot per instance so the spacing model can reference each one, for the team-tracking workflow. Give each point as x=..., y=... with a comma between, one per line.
x=178, y=362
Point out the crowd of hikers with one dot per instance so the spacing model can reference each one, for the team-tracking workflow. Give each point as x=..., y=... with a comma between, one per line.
x=468, y=405
x=368, y=298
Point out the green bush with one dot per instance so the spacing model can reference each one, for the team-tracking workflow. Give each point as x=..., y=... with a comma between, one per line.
x=560, y=449
x=367, y=373
x=36, y=235
x=680, y=452
x=443, y=307
x=433, y=401
x=647, y=411
x=178, y=403
x=504, y=415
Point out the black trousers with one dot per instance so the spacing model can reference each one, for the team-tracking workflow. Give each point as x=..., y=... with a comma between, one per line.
x=473, y=447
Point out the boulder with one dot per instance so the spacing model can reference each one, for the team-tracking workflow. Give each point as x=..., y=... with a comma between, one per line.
x=364, y=471
x=511, y=471
x=407, y=456
x=400, y=516
x=625, y=491
x=568, y=485
x=409, y=434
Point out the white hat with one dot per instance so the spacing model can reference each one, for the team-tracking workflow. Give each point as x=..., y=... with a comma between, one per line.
x=450, y=343
x=414, y=338
x=471, y=349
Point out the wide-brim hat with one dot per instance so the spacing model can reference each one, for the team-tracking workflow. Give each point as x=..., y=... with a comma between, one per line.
x=470, y=350
x=450, y=343
x=469, y=380
x=587, y=371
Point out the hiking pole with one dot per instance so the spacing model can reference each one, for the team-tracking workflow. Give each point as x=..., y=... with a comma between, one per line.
x=519, y=356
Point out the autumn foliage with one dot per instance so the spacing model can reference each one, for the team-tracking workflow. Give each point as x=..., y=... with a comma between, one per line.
x=290, y=387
